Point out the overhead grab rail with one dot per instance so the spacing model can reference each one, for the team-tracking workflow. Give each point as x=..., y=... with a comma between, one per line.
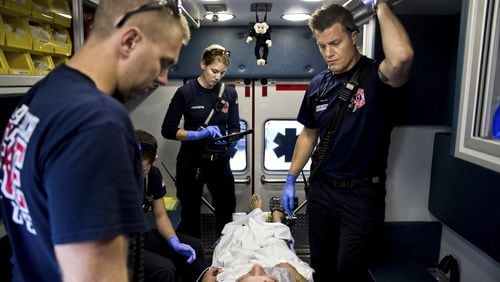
x=362, y=13
x=189, y=17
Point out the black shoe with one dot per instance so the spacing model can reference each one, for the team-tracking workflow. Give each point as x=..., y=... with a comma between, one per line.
x=290, y=220
x=275, y=205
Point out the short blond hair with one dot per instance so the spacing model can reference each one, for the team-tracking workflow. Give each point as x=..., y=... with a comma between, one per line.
x=155, y=24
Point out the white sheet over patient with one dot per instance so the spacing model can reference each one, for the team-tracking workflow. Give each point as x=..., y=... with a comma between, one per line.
x=249, y=241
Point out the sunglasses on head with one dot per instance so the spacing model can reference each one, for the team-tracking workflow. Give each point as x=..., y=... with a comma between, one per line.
x=217, y=52
x=175, y=6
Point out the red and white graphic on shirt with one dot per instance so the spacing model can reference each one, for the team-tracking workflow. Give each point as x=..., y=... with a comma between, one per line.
x=13, y=151
x=225, y=108
x=359, y=98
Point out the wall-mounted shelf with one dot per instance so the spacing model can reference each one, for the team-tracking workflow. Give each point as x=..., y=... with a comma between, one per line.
x=17, y=84
x=14, y=84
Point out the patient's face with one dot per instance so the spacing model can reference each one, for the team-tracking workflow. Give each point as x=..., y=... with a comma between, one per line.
x=257, y=274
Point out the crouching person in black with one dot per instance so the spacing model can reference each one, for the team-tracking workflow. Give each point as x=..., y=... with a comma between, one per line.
x=167, y=256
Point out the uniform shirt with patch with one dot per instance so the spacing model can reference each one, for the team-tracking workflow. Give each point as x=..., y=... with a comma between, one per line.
x=71, y=172
x=195, y=102
x=361, y=142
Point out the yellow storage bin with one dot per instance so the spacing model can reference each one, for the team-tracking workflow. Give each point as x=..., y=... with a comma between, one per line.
x=17, y=7
x=59, y=60
x=62, y=41
x=43, y=41
x=41, y=11
x=20, y=63
x=17, y=34
x=62, y=12
x=2, y=32
x=43, y=64
x=4, y=67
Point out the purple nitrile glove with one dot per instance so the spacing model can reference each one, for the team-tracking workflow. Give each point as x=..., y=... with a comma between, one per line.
x=212, y=131
x=183, y=249
x=370, y=3
x=289, y=193
x=495, y=132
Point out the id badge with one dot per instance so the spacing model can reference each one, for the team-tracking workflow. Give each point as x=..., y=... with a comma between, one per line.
x=322, y=105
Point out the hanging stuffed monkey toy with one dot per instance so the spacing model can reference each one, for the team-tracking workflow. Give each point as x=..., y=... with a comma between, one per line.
x=262, y=32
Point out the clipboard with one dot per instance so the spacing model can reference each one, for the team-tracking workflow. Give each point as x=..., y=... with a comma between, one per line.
x=233, y=136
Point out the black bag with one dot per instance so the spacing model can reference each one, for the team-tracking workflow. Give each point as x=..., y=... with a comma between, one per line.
x=214, y=152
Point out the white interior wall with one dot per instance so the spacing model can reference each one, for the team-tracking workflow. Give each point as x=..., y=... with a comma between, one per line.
x=147, y=114
x=409, y=172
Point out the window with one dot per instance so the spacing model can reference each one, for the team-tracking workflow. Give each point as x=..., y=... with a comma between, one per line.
x=280, y=138
x=480, y=86
x=239, y=162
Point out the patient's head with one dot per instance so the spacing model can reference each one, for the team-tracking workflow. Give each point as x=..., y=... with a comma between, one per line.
x=257, y=274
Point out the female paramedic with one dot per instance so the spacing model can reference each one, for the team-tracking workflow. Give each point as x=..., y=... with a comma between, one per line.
x=210, y=110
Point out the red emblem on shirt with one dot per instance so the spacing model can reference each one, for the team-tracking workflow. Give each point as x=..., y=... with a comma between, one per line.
x=357, y=101
x=225, y=108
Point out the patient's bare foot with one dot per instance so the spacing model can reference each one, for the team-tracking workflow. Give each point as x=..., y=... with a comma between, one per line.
x=255, y=202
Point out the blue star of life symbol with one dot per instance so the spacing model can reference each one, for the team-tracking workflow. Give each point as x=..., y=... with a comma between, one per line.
x=286, y=144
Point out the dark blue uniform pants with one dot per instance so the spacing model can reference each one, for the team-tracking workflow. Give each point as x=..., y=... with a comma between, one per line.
x=162, y=263
x=192, y=175
x=344, y=226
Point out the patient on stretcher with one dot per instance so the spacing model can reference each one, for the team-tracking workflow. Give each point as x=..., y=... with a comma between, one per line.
x=252, y=249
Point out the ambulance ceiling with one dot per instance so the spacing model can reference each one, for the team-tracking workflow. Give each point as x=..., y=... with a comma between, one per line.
x=244, y=10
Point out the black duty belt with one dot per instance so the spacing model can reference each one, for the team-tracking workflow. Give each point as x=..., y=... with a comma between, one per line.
x=214, y=156
x=351, y=183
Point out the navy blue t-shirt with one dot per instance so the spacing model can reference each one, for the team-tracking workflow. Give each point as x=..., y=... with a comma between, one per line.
x=71, y=172
x=361, y=142
x=195, y=102
x=155, y=187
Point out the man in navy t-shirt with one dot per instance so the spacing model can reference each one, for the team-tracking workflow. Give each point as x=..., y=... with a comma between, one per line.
x=347, y=184
x=168, y=255
x=71, y=174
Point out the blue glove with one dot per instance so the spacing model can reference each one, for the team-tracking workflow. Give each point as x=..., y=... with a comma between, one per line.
x=370, y=3
x=183, y=249
x=495, y=132
x=289, y=193
x=212, y=131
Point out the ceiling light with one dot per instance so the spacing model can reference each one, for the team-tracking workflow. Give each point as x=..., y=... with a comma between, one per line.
x=312, y=0
x=219, y=17
x=296, y=17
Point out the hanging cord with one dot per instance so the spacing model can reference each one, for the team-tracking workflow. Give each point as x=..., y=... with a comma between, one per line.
x=137, y=259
